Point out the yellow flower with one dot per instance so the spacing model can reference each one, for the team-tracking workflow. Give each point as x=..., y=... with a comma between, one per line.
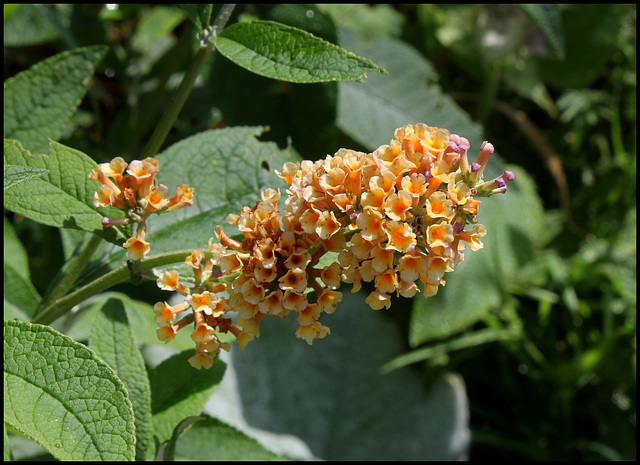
x=183, y=198
x=309, y=314
x=292, y=300
x=440, y=235
x=203, y=334
x=143, y=172
x=381, y=258
x=377, y=300
x=410, y=266
x=272, y=304
x=311, y=332
x=136, y=248
x=415, y=184
x=331, y=275
x=370, y=223
x=158, y=198
x=201, y=360
x=165, y=314
x=438, y=205
x=167, y=333
x=387, y=282
x=400, y=235
x=327, y=225
x=295, y=279
x=328, y=300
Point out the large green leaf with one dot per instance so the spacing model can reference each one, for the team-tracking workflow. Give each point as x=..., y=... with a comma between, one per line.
x=514, y=223
x=286, y=53
x=333, y=397
x=60, y=394
x=113, y=341
x=210, y=439
x=14, y=175
x=40, y=102
x=21, y=299
x=370, y=112
x=62, y=197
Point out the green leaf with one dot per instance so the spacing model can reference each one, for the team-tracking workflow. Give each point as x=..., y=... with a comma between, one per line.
x=332, y=396
x=289, y=54
x=465, y=341
x=39, y=103
x=199, y=14
x=178, y=391
x=27, y=26
x=514, y=223
x=64, y=397
x=14, y=175
x=63, y=197
x=210, y=439
x=21, y=299
x=113, y=341
x=139, y=314
x=591, y=38
x=547, y=17
x=369, y=113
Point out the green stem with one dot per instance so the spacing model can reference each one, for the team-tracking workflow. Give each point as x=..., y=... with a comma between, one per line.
x=184, y=89
x=171, y=114
x=57, y=308
x=74, y=270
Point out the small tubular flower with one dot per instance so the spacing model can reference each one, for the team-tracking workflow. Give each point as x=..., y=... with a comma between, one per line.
x=136, y=248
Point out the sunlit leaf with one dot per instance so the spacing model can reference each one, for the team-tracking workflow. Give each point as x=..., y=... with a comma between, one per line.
x=60, y=394
x=63, y=196
x=286, y=53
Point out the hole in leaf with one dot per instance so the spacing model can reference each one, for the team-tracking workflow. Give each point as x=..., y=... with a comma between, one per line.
x=265, y=166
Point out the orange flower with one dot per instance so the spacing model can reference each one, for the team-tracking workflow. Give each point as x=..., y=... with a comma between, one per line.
x=311, y=332
x=201, y=360
x=440, y=235
x=370, y=222
x=183, y=198
x=295, y=279
x=377, y=300
x=327, y=225
x=143, y=172
x=387, y=282
x=439, y=206
x=328, y=300
x=400, y=235
x=136, y=248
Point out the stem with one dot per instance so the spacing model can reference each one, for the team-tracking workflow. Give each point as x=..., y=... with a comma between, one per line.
x=177, y=102
x=74, y=271
x=57, y=308
x=169, y=117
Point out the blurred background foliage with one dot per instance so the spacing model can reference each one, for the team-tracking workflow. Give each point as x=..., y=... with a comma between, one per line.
x=541, y=324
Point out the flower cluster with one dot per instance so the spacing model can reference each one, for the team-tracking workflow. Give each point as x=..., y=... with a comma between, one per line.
x=405, y=207
x=392, y=217
x=133, y=189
